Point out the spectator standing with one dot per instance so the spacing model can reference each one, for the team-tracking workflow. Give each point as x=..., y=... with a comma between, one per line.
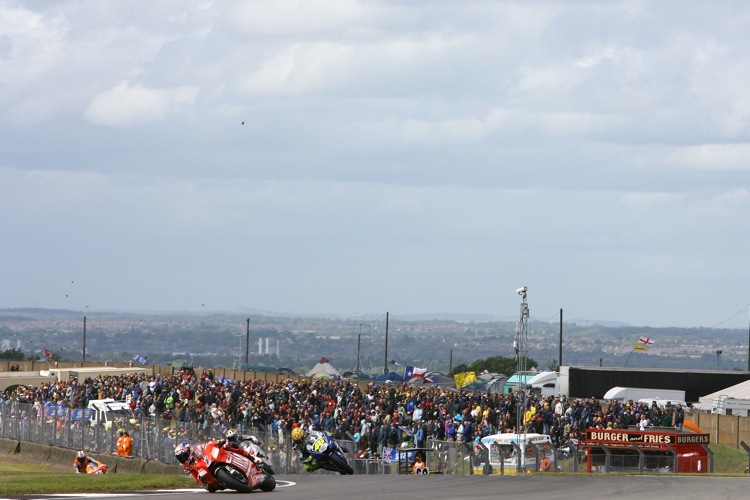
x=679, y=417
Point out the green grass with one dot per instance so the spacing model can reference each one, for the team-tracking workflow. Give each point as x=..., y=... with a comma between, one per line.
x=728, y=460
x=19, y=477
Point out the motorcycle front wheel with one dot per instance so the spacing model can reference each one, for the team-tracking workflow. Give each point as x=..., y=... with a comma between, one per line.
x=231, y=481
x=341, y=464
x=267, y=469
x=268, y=484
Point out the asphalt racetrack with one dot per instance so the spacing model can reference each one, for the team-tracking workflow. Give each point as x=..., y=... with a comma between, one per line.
x=330, y=487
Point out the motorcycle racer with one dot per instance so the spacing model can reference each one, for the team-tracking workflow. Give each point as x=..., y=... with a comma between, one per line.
x=231, y=442
x=82, y=462
x=187, y=455
x=303, y=444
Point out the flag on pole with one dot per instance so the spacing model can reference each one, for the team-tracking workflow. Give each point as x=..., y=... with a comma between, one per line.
x=645, y=341
x=413, y=372
x=639, y=347
x=47, y=354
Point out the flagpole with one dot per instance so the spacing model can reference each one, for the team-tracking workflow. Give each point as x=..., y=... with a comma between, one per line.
x=626, y=361
x=631, y=353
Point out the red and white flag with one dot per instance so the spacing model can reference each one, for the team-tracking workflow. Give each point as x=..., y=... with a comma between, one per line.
x=646, y=341
x=47, y=354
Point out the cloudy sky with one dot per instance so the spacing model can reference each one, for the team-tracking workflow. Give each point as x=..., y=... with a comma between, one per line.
x=342, y=156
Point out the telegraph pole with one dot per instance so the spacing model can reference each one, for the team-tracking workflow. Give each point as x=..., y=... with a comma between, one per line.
x=385, y=365
x=247, y=341
x=359, y=345
x=559, y=363
x=83, y=361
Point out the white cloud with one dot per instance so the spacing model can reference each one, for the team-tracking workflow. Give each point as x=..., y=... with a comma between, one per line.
x=128, y=105
x=650, y=200
x=719, y=157
x=295, y=18
x=435, y=140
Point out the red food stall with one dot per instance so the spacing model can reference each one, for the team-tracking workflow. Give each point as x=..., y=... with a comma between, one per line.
x=653, y=450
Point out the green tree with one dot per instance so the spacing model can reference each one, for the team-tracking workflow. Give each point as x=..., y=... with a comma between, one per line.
x=493, y=364
x=12, y=355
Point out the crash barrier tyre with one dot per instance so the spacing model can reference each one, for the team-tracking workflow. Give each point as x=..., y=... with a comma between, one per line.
x=36, y=450
x=62, y=456
x=157, y=467
x=9, y=446
x=126, y=465
x=223, y=475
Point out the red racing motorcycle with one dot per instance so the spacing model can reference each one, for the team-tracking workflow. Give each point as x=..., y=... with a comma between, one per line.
x=224, y=469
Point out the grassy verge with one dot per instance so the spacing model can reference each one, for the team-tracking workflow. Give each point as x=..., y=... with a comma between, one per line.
x=728, y=460
x=20, y=477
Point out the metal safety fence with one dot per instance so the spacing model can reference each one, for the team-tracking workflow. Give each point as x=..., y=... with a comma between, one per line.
x=155, y=438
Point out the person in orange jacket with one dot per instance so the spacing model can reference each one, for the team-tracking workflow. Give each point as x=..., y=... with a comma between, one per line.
x=124, y=444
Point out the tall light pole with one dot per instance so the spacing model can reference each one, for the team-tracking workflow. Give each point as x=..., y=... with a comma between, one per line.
x=83, y=359
x=520, y=347
x=247, y=342
x=718, y=357
x=359, y=345
x=385, y=364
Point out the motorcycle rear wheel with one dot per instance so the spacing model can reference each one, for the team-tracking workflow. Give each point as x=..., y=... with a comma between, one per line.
x=231, y=482
x=341, y=464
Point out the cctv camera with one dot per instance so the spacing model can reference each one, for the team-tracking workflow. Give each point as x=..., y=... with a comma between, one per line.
x=522, y=290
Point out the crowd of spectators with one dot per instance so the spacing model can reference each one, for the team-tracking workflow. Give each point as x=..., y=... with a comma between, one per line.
x=374, y=416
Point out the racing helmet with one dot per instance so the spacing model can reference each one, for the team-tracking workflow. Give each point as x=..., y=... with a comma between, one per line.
x=80, y=456
x=232, y=437
x=182, y=452
x=298, y=435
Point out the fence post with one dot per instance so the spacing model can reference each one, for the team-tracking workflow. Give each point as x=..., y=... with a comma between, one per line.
x=747, y=450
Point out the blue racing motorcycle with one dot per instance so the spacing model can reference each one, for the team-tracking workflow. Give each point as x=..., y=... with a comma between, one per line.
x=328, y=454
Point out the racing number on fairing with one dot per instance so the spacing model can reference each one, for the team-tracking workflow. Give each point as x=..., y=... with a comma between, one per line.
x=320, y=442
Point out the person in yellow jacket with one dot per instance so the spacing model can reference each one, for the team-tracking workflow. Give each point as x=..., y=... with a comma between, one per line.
x=124, y=444
x=529, y=414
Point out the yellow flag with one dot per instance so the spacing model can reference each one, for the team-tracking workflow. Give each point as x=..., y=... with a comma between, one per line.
x=464, y=379
x=639, y=347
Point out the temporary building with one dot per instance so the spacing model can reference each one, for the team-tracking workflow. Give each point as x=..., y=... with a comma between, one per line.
x=518, y=379
x=734, y=400
x=323, y=368
x=434, y=380
x=487, y=382
x=356, y=375
x=546, y=383
x=390, y=377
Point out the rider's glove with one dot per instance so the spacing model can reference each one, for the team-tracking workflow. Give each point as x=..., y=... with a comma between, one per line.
x=221, y=442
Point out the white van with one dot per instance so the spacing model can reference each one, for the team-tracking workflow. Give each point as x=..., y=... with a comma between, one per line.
x=106, y=411
x=504, y=448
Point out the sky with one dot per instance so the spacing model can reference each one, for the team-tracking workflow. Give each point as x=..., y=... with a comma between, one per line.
x=362, y=157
